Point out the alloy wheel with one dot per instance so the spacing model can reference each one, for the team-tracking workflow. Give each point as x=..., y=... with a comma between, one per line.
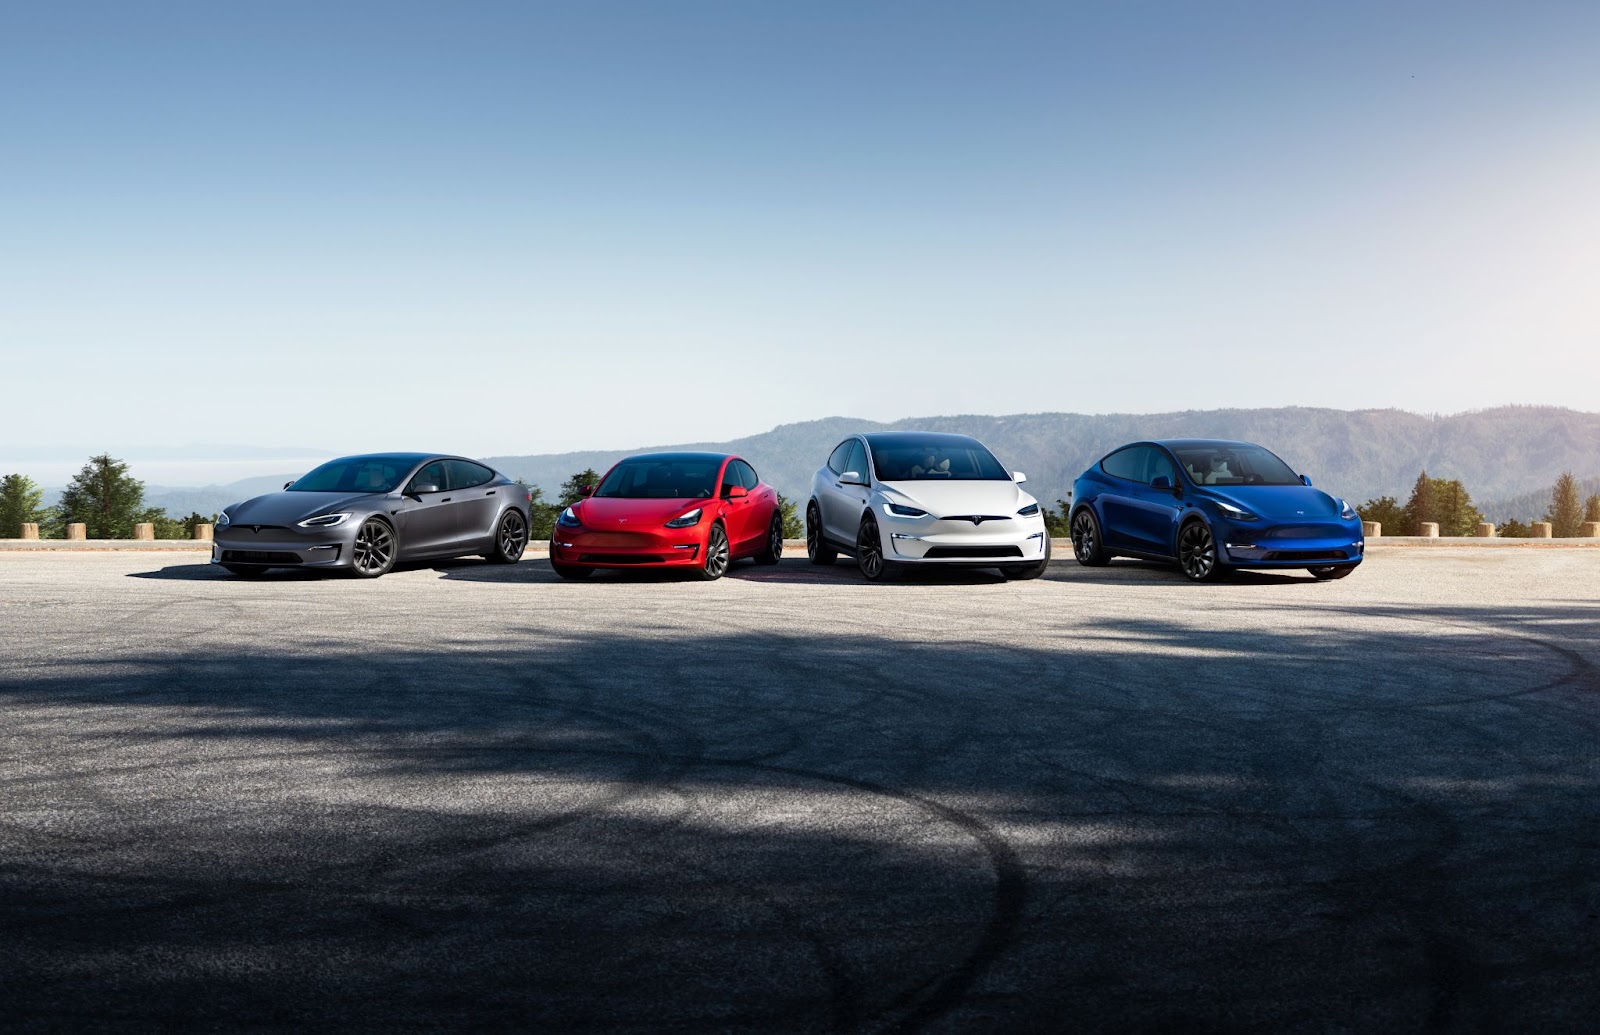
x=716, y=553
x=869, y=550
x=1083, y=543
x=513, y=536
x=374, y=549
x=1197, y=551
x=813, y=530
x=775, y=537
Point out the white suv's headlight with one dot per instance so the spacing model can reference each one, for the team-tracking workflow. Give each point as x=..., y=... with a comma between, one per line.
x=325, y=520
x=901, y=510
x=1029, y=511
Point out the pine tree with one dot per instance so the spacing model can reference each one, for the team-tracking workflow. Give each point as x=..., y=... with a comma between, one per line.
x=572, y=490
x=104, y=498
x=1385, y=510
x=1453, y=509
x=21, y=503
x=793, y=527
x=1420, y=507
x=1566, y=507
x=1591, y=508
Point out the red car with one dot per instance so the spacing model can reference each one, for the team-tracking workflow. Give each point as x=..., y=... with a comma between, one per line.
x=696, y=511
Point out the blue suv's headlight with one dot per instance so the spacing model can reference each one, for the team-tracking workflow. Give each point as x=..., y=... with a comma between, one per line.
x=568, y=519
x=900, y=510
x=1346, y=511
x=1237, y=513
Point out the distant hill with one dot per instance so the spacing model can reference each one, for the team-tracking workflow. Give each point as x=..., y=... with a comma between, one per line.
x=1499, y=454
x=1532, y=506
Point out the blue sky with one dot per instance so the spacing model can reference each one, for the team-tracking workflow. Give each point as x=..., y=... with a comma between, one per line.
x=527, y=227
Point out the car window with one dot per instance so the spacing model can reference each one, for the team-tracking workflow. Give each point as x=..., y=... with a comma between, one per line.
x=1157, y=465
x=670, y=477
x=1242, y=464
x=747, y=475
x=840, y=457
x=433, y=474
x=858, y=460
x=1126, y=463
x=901, y=458
x=730, y=476
x=356, y=474
x=464, y=474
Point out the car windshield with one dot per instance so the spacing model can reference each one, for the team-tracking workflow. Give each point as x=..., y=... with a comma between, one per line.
x=1234, y=465
x=935, y=460
x=661, y=479
x=356, y=474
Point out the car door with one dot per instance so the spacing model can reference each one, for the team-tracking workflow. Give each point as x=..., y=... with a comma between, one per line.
x=1155, y=511
x=764, y=503
x=476, y=498
x=1119, y=503
x=841, y=514
x=427, y=519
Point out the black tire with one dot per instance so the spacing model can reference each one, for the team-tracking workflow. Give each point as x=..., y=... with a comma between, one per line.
x=772, y=553
x=375, y=549
x=869, y=552
x=244, y=572
x=1328, y=574
x=567, y=571
x=1197, y=554
x=1088, y=545
x=717, y=555
x=510, y=539
x=817, y=548
x=1023, y=572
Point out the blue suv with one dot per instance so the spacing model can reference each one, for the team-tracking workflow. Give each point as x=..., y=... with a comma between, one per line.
x=1212, y=506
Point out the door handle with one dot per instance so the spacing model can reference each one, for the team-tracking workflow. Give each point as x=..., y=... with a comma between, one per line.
x=445, y=500
x=489, y=493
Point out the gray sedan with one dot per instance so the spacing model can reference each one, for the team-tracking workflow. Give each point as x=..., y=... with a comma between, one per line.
x=365, y=513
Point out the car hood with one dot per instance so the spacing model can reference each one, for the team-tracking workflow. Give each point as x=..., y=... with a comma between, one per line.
x=1279, y=502
x=627, y=515
x=947, y=498
x=287, y=508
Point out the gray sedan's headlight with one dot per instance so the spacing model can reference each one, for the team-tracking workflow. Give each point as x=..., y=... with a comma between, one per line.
x=223, y=520
x=325, y=520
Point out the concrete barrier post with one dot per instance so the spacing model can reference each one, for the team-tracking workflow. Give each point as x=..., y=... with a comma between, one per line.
x=77, y=530
x=1485, y=530
x=203, y=532
x=1430, y=530
x=1591, y=530
x=144, y=530
x=1372, y=529
x=1543, y=530
x=30, y=530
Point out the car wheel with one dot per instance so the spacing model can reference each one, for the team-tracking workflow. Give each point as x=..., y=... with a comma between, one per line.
x=243, y=572
x=1197, y=553
x=773, y=553
x=566, y=571
x=869, y=551
x=374, y=551
x=716, y=562
x=1023, y=572
x=817, y=548
x=1087, y=544
x=1332, y=572
x=510, y=539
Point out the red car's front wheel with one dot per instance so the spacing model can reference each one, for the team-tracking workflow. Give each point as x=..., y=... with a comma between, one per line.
x=716, y=559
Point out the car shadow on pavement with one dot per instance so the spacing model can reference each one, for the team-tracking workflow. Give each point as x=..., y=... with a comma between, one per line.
x=1149, y=822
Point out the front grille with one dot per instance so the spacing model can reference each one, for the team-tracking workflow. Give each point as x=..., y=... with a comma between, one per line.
x=976, y=519
x=619, y=558
x=259, y=557
x=1306, y=555
x=236, y=527
x=974, y=552
x=1303, y=532
x=615, y=540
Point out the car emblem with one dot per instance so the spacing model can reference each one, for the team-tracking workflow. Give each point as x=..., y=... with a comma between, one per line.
x=256, y=529
x=1299, y=512
x=622, y=521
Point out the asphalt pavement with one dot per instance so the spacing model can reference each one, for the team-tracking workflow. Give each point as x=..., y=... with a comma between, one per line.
x=473, y=796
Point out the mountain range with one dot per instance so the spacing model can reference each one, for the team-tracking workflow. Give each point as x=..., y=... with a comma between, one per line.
x=1507, y=457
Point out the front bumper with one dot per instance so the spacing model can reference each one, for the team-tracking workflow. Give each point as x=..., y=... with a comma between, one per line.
x=934, y=541
x=1266, y=545
x=283, y=547
x=597, y=548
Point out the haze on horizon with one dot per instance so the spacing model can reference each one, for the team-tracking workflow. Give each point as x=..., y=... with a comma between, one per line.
x=535, y=228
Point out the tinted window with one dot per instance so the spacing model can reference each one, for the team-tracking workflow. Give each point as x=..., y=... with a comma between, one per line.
x=434, y=475
x=730, y=476
x=464, y=474
x=1234, y=465
x=1158, y=465
x=747, y=475
x=858, y=460
x=840, y=457
x=669, y=478
x=937, y=459
x=356, y=474
x=1125, y=463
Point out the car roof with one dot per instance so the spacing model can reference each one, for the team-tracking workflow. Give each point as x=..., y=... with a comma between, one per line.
x=1186, y=443
x=893, y=438
x=678, y=455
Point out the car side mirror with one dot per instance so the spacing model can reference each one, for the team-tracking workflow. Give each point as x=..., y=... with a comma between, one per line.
x=287, y=484
x=735, y=492
x=1161, y=482
x=851, y=478
x=422, y=487
x=1305, y=479
x=588, y=490
x=1018, y=477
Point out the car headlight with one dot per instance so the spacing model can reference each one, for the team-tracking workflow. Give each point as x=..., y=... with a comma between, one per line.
x=1234, y=512
x=568, y=519
x=1029, y=511
x=223, y=520
x=325, y=520
x=1346, y=511
x=685, y=520
x=900, y=510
